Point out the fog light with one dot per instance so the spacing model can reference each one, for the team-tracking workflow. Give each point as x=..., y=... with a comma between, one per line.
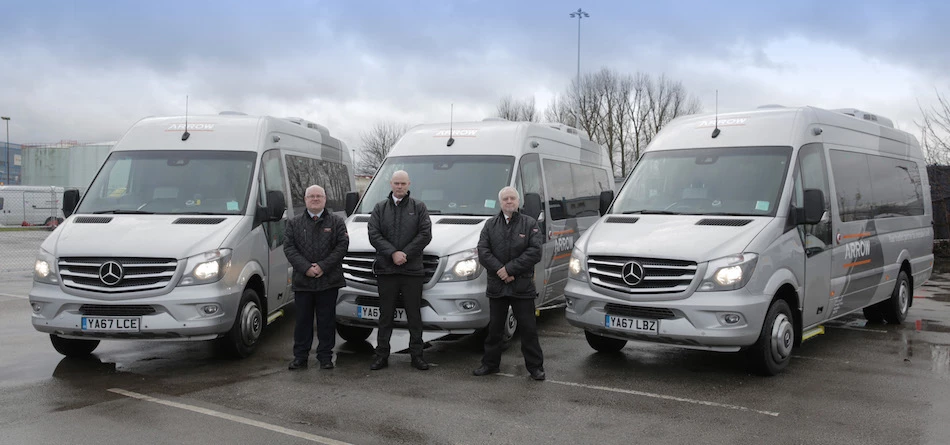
x=731, y=318
x=569, y=302
x=209, y=309
x=468, y=305
x=37, y=307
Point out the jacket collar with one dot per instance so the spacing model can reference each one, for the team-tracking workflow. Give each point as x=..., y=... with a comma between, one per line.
x=514, y=215
x=390, y=197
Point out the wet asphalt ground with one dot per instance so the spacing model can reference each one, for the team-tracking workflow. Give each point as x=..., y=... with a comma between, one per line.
x=858, y=383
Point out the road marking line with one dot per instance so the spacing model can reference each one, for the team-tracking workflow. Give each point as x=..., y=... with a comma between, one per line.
x=233, y=418
x=657, y=396
x=14, y=296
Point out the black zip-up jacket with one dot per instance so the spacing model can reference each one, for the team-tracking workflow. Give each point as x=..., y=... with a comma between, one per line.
x=405, y=228
x=516, y=246
x=323, y=241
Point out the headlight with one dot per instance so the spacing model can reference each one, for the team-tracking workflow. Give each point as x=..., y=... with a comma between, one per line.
x=576, y=268
x=44, y=270
x=463, y=266
x=731, y=272
x=206, y=268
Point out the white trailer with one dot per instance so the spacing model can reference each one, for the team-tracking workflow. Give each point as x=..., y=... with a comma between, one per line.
x=28, y=205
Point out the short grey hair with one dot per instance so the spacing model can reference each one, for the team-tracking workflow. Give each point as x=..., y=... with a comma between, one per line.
x=314, y=187
x=508, y=189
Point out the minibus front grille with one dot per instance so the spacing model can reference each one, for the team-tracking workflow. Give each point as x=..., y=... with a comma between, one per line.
x=372, y=300
x=358, y=267
x=658, y=313
x=117, y=275
x=641, y=275
x=117, y=310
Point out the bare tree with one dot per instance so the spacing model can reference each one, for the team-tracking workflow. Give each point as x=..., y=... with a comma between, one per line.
x=657, y=103
x=517, y=110
x=935, y=131
x=376, y=143
x=559, y=111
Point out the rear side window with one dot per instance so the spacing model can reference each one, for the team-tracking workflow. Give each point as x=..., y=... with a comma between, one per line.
x=1, y=203
x=578, y=196
x=895, y=191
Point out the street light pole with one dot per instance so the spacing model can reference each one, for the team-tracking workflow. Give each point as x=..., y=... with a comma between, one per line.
x=7, y=119
x=580, y=14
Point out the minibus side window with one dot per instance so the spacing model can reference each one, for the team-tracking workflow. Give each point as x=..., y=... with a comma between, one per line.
x=273, y=181
x=813, y=174
x=529, y=177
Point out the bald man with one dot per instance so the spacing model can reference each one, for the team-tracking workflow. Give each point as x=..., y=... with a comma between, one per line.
x=315, y=243
x=399, y=229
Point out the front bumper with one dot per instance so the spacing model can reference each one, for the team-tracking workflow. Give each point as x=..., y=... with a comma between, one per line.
x=176, y=315
x=697, y=321
x=441, y=310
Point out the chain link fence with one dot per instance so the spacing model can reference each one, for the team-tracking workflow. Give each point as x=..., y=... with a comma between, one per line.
x=18, y=249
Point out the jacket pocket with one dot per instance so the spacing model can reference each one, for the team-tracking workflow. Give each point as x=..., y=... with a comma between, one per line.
x=523, y=285
x=495, y=286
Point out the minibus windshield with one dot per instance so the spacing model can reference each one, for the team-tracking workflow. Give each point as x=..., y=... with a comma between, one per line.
x=448, y=185
x=174, y=182
x=741, y=181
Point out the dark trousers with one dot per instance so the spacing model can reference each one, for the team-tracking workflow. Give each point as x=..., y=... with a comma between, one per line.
x=523, y=309
x=321, y=304
x=390, y=288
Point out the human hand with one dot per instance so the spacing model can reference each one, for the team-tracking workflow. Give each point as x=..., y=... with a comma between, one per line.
x=502, y=273
x=399, y=258
x=509, y=279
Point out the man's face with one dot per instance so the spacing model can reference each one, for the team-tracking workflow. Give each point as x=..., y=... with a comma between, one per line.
x=400, y=185
x=509, y=202
x=316, y=200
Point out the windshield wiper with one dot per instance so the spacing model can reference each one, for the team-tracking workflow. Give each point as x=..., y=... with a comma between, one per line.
x=203, y=213
x=124, y=212
x=465, y=214
x=434, y=211
x=650, y=212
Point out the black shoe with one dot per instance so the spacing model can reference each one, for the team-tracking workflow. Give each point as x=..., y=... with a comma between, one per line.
x=379, y=363
x=484, y=370
x=297, y=364
x=419, y=363
x=326, y=365
x=537, y=374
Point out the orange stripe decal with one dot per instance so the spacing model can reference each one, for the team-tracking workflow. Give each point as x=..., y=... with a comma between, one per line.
x=856, y=235
x=563, y=255
x=857, y=263
x=562, y=232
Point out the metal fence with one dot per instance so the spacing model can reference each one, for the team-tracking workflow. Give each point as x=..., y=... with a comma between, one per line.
x=18, y=249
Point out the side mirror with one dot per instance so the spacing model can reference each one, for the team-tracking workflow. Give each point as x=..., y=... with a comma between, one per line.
x=352, y=198
x=606, y=197
x=813, y=209
x=276, y=205
x=70, y=201
x=532, y=205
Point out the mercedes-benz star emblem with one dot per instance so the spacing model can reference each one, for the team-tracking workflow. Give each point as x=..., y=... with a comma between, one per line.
x=632, y=273
x=110, y=273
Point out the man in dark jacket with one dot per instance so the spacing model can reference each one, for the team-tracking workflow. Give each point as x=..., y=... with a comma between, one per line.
x=399, y=228
x=315, y=243
x=508, y=248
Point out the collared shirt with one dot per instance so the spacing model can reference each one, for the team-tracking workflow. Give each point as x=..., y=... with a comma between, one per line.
x=507, y=218
x=396, y=200
x=312, y=216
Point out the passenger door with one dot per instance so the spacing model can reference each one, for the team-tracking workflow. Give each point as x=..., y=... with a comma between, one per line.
x=816, y=238
x=278, y=268
x=529, y=180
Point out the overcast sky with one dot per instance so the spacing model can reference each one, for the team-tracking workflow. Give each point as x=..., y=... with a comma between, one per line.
x=88, y=70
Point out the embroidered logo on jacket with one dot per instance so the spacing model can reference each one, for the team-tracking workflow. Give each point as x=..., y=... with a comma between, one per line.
x=328, y=229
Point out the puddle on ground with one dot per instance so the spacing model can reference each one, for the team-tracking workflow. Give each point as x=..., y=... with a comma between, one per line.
x=945, y=298
x=939, y=354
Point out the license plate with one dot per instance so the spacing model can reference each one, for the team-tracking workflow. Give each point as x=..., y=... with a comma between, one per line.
x=631, y=324
x=110, y=324
x=372, y=313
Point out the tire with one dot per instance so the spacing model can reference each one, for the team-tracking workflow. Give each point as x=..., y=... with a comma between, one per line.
x=245, y=333
x=71, y=347
x=604, y=344
x=873, y=314
x=353, y=333
x=895, y=308
x=52, y=222
x=511, y=328
x=773, y=350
